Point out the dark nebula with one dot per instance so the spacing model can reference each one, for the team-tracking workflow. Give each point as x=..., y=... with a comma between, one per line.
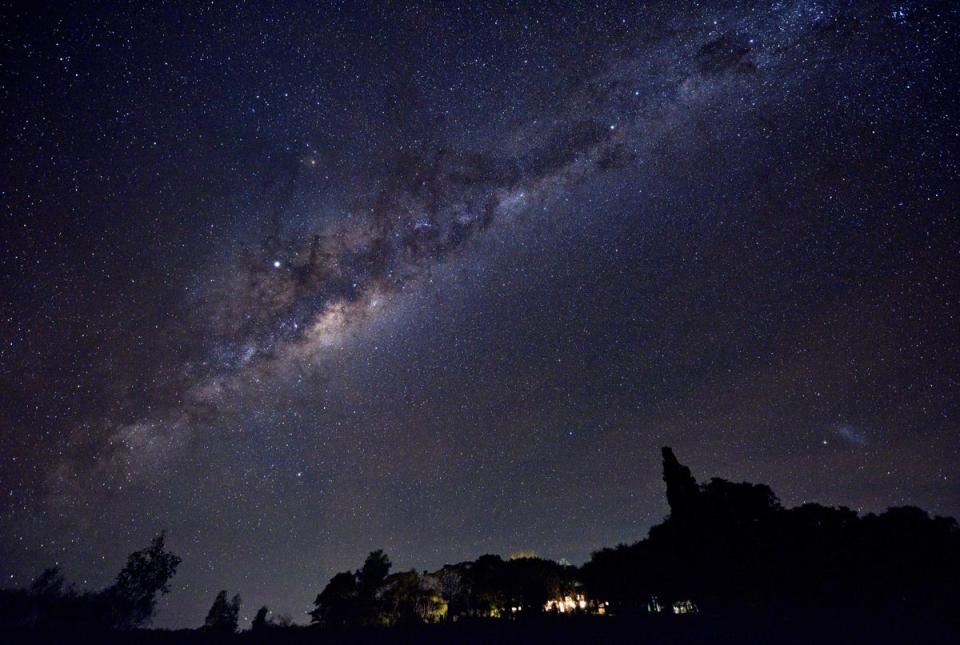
x=298, y=282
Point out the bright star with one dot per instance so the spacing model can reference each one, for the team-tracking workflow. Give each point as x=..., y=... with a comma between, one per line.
x=276, y=264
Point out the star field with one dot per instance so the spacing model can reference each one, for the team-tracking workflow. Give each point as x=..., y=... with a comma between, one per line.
x=295, y=281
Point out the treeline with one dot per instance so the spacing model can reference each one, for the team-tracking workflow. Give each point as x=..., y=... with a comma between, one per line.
x=727, y=551
x=50, y=605
x=488, y=587
x=731, y=547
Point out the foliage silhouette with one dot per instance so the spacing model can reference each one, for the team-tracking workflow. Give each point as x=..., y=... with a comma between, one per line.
x=729, y=552
x=224, y=615
x=731, y=547
x=48, y=605
x=260, y=621
x=133, y=597
x=336, y=605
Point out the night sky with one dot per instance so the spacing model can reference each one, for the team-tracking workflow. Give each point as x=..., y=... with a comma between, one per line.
x=296, y=282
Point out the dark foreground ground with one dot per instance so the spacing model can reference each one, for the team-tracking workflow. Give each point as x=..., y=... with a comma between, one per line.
x=665, y=630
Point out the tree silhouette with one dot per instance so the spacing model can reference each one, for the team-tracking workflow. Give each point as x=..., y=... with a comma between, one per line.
x=335, y=606
x=531, y=582
x=374, y=572
x=133, y=596
x=682, y=489
x=400, y=598
x=223, y=615
x=49, y=583
x=408, y=598
x=486, y=593
x=260, y=622
x=50, y=605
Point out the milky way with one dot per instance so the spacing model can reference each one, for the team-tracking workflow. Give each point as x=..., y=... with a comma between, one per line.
x=295, y=284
